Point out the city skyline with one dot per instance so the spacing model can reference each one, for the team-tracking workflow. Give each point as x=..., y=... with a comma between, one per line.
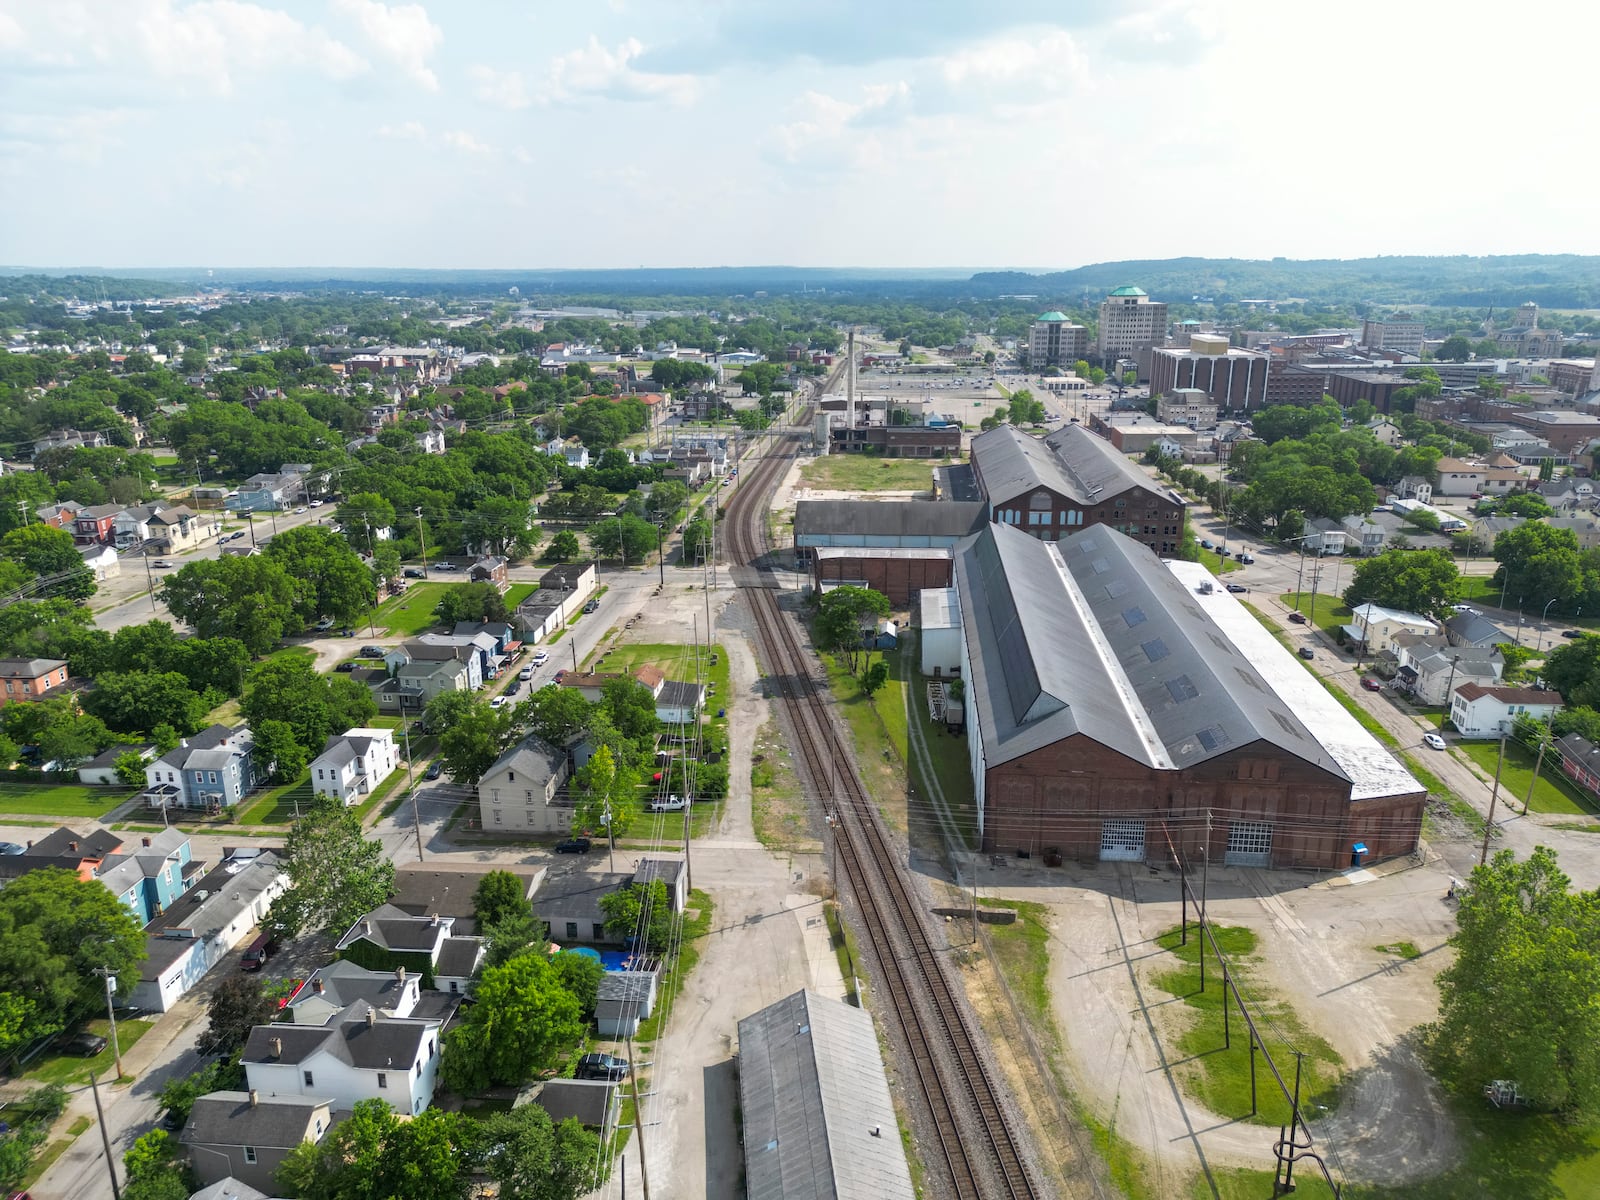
x=355, y=133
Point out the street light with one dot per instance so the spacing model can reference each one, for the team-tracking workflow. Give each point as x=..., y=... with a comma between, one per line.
x=111, y=1012
x=1539, y=644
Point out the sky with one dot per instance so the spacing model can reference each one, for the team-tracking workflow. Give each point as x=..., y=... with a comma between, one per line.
x=847, y=133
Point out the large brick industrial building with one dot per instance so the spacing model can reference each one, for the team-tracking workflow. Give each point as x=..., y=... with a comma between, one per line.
x=1115, y=702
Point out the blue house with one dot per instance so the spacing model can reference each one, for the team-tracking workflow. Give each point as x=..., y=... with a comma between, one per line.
x=502, y=633
x=213, y=769
x=150, y=876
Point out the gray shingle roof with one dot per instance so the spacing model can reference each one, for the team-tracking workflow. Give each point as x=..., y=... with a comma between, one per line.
x=589, y=1100
x=1094, y=635
x=387, y=1042
x=394, y=929
x=889, y=518
x=530, y=758
x=229, y=1119
x=812, y=1089
x=458, y=956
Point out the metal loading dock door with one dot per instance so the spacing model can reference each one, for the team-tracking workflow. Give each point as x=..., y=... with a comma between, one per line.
x=1249, y=844
x=1121, y=840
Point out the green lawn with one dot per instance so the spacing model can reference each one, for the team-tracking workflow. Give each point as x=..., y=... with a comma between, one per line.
x=411, y=613
x=291, y=652
x=1215, y=563
x=60, y=800
x=869, y=473
x=1022, y=954
x=517, y=593
x=45, y=1158
x=69, y=1070
x=1482, y=589
x=1552, y=794
x=277, y=805
x=675, y=662
x=1327, y=612
x=1220, y=1078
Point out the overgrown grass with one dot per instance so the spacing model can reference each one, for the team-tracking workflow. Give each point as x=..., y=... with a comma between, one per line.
x=1219, y=1077
x=697, y=915
x=875, y=749
x=70, y=1069
x=848, y=953
x=949, y=763
x=1552, y=793
x=1022, y=955
x=778, y=808
x=63, y=801
x=518, y=592
x=869, y=473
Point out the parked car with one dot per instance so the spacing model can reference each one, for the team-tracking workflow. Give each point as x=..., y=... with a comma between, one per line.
x=372, y=652
x=433, y=772
x=540, y=657
x=592, y=606
x=344, y=667
x=1307, y=652
x=1372, y=683
x=171, y=1121
x=669, y=804
x=11, y=848
x=316, y=504
x=1433, y=741
x=444, y=566
x=1205, y=544
x=84, y=1045
x=1246, y=558
x=1572, y=633
x=513, y=688
x=1296, y=618
x=258, y=952
x=576, y=845
x=601, y=1066
x=498, y=702
x=325, y=624
x=300, y=511
x=525, y=674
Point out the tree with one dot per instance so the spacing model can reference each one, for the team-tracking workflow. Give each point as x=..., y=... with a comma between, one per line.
x=1419, y=581
x=1518, y=1001
x=563, y=547
x=335, y=873
x=499, y=895
x=555, y=714
x=1583, y=721
x=50, y=553
x=666, y=497
x=314, y=706
x=55, y=929
x=581, y=976
x=178, y=1095
x=361, y=516
x=157, y=1187
x=63, y=734
x=513, y=935
x=130, y=769
x=474, y=737
x=631, y=708
x=845, y=614
x=696, y=540
x=626, y=536
x=134, y=700
x=595, y=786
x=1540, y=562
x=236, y=1007
x=1574, y=671
x=329, y=578
x=472, y=602
x=531, y=1157
x=155, y=1156
x=1023, y=409
x=374, y=1155
x=875, y=677
x=278, y=753
x=248, y=598
x=520, y=1018
x=640, y=914
x=1454, y=349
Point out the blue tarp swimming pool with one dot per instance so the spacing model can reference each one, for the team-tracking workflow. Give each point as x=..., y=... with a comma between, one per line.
x=611, y=960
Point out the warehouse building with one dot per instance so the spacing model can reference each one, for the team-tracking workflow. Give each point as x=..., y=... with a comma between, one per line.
x=1119, y=705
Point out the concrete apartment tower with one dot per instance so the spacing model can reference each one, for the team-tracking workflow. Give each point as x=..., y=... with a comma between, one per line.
x=1130, y=322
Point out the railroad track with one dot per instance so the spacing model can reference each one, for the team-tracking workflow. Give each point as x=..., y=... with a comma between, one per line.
x=978, y=1145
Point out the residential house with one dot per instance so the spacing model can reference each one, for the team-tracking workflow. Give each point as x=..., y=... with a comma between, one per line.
x=149, y=880
x=60, y=516
x=218, y=913
x=66, y=849
x=1585, y=528
x=1430, y=668
x=69, y=439
x=1473, y=629
x=491, y=568
x=481, y=645
x=102, y=768
x=1580, y=761
x=358, y=1055
x=624, y=999
x=247, y=1135
x=101, y=560
x=1378, y=626
x=1386, y=431
x=354, y=763
x=333, y=988
x=670, y=871
x=680, y=703
x=176, y=529
x=1458, y=478
x=214, y=769
x=577, y=455
x=431, y=441
x=266, y=491
x=569, y=906
x=1487, y=712
x=31, y=678
x=1486, y=531
x=429, y=945
x=229, y=1188
x=424, y=888
x=525, y=790
x=503, y=634
x=1363, y=536
x=421, y=670
x=593, y=1103
x=95, y=524
x=1324, y=536
x=132, y=525
x=591, y=684
x=1568, y=493
x=1415, y=487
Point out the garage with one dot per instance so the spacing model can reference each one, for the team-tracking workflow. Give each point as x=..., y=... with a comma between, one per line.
x=1121, y=840
x=1249, y=844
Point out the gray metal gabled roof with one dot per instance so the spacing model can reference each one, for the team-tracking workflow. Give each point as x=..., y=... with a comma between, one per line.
x=889, y=518
x=818, y=1119
x=1094, y=635
x=1098, y=467
x=1072, y=462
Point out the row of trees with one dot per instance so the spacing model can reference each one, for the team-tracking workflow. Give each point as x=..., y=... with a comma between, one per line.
x=1541, y=563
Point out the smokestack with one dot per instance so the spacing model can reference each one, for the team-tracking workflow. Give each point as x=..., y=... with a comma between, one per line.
x=850, y=383
x=255, y=1097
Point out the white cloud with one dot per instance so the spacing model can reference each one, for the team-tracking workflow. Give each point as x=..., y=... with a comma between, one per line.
x=402, y=33
x=593, y=70
x=406, y=131
x=830, y=133
x=1046, y=62
x=503, y=89
x=460, y=139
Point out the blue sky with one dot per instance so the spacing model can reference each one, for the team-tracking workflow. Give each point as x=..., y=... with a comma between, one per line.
x=621, y=133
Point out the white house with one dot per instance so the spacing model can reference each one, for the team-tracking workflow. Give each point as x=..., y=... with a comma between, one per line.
x=102, y=560
x=102, y=768
x=1386, y=431
x=577, y=456
x=1487, y=712
x=680, y=703
x=427, y=942
x=1378, y=626
x=333, y=988
x=1362, y=536
x=359, y=1055
x=1432, y=668
x=1324, y=536
x=354, y=763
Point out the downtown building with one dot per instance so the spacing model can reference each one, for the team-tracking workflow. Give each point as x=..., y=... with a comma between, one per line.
x=1055, y=341
x=1235, y=380
x=1130, y=322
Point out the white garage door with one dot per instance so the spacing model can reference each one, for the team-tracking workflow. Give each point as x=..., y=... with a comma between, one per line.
x=1121, y=840
x=1249, y=844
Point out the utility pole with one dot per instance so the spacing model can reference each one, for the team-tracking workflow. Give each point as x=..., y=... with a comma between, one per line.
x=1488, y=824
x=661, y=556
x=151, y=580
x=1449, y=687
x=1538, y=762
x=111, y=1014
x=372, y=627
x=422, y=533
x=105, y=1137
x=411, y=786
x=638, y=1120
